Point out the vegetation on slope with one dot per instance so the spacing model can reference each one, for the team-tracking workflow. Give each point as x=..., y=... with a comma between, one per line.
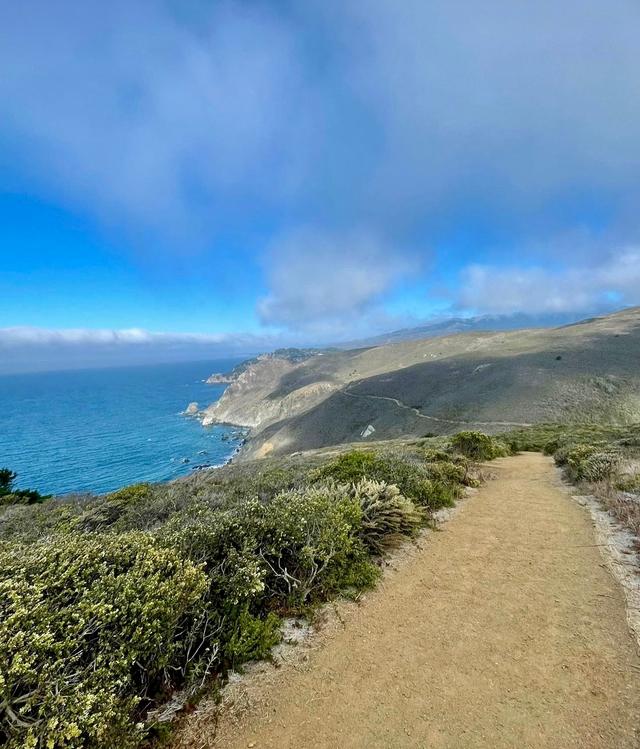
x=111, y=605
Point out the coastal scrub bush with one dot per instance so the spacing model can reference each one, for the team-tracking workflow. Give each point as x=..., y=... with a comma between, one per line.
x=263, y=481
x=387, y=517
x=89, y=626
x=589, y=463
x=629, y=483
x=479, y=446
x=225, y=546
x=309, y=543
x=109, y=604
x=349, y=467
x=424, y=483
x=31, y=523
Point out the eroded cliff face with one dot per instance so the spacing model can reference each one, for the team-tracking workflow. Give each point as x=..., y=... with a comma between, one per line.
x=255, y=397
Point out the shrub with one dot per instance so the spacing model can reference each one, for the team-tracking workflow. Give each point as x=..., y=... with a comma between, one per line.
x=22, y=497
x=629, y=483
x=424, y=483
x=387, y=516
x=263, y=481
x=225, y=546
x=589, y=462
x=88, y=627
x=349, y=467
x=108, y=604
x=479, y=446
x=308, y=540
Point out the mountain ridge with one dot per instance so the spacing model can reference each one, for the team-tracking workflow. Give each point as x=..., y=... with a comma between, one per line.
x=493, y=380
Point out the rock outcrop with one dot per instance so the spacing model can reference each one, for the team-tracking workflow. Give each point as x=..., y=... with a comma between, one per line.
x=219, y=379
x=252, y=398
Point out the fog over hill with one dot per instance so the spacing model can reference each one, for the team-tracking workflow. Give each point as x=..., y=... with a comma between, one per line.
x=490, y=380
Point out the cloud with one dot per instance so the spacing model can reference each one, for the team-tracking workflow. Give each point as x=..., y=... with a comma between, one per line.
x=25, y=349
x=387, y=113
x=146, y=115
x=204, y=122
x=510, y=104
x=614, y=281
x=26, y=335
x=327, y=281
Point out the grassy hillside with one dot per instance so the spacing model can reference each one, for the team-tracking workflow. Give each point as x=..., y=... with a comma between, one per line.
x=493, y=381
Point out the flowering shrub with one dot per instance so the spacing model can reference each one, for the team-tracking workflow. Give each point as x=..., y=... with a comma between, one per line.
x=88, y=627
x=309, y=544
x=588, y=462
x=424, y=483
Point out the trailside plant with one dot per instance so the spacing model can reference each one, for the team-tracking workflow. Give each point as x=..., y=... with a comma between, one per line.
x=479, y=446
x=309, y=542
x=89, y=627
x=588, y=462
x=387, y=517
x=425, y=483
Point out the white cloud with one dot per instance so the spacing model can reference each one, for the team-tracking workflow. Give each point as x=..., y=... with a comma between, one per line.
x=612, y=281
x=31, y=336
x=319, y=279
x=25, y=349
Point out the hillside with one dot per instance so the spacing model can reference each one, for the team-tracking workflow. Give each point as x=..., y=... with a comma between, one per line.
x=586, y=371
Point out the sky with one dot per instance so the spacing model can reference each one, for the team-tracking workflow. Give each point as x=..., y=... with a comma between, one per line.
x=193, y=178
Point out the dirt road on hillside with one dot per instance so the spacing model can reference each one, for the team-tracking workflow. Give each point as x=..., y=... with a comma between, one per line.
x=504, y=631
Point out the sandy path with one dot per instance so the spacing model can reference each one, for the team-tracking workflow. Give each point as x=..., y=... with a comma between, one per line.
x=505, y=630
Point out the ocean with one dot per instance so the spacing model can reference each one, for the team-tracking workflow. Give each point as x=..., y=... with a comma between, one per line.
x=97, y=430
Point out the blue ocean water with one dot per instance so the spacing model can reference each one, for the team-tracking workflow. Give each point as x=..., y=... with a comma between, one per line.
x=98, y=430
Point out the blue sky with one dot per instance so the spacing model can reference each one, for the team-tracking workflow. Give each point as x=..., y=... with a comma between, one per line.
x=220, y=177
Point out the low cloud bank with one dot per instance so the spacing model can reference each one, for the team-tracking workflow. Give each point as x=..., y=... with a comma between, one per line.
x=27, y=349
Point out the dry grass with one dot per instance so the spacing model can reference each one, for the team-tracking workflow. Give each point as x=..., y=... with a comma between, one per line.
x=624, y=506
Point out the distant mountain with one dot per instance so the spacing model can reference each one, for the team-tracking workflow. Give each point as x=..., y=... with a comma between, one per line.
x=491, y=380
x=452, y=325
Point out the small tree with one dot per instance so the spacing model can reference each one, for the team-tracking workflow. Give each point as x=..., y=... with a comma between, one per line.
x=7, y=478
x=10, y=496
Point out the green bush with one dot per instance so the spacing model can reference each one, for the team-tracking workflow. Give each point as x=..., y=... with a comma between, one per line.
x=424, y=483
x=589, y=462
x=387, y=516
x=88, y=627
x=479, y=446
x=629, y=483
x=109, y=604
x=349, y=467
x=308, y=540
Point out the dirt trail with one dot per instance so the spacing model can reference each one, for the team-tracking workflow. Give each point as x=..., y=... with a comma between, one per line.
x=421, y=415
x=504, y=630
